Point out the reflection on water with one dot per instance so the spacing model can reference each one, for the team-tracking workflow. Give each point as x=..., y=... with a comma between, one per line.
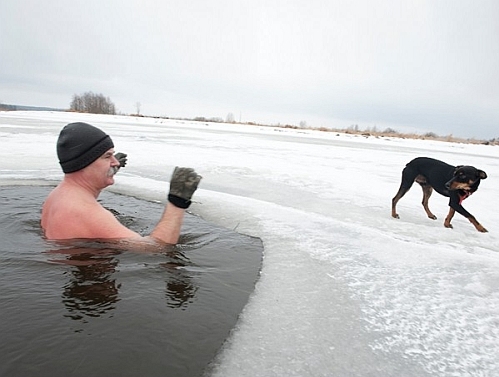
x=94, y=309
x=92, y=289
x=180, y=290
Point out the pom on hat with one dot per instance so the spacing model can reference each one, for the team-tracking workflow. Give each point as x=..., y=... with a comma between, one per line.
x=80, y=144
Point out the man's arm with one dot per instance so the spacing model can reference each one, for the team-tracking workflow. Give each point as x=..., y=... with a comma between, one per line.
x=168, y=228
x=183, y=183
x=97, y=222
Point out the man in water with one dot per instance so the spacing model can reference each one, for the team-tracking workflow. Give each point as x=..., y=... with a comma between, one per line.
x=86, y=155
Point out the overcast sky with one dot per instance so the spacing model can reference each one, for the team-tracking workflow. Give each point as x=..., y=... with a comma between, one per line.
x=409, y=65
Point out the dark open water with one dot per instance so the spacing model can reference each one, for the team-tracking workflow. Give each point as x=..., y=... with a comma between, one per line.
x=88, y=309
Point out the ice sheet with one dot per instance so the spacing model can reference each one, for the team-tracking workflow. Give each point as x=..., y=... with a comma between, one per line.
x=345, y=289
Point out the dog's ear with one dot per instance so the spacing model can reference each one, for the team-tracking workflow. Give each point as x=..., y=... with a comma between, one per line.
x=482, y=174
x=457, y=168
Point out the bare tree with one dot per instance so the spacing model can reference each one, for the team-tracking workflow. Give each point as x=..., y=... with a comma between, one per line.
x=92, y=103
x=137, y=106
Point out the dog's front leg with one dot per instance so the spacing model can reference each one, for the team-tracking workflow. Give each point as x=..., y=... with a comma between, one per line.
x=449, y=217
x=455, y=206
x=477, y=225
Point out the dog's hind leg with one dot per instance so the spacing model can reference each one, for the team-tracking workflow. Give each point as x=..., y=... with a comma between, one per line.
x=408, y=176
x=427, y=191
x=401, y=192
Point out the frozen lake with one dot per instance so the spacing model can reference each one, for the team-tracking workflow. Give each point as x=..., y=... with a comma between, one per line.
x=345, y=289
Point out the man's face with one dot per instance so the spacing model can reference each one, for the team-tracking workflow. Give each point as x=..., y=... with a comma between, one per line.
x=101, y=171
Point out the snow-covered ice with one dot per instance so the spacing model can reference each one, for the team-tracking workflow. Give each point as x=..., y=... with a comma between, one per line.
x=345, y=289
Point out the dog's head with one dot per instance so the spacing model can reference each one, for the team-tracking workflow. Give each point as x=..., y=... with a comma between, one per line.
x=466, y=178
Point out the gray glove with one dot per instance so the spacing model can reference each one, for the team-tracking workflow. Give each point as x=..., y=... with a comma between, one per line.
x=121, y=157
x=183, y=183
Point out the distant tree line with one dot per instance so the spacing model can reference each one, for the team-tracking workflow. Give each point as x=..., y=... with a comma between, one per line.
x=213, y=119
x=92, y=103
x=4, y=107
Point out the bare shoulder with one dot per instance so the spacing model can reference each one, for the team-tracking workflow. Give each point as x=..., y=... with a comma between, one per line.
x=71, y=214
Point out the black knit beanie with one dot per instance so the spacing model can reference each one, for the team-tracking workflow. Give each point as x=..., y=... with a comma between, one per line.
x=80, y=144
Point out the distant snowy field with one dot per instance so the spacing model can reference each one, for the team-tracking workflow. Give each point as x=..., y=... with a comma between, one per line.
x=345, y=289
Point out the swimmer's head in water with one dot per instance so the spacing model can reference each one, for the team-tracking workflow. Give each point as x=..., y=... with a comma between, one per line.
x=80, y=144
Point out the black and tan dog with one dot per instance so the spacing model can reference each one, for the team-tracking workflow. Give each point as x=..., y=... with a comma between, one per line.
x=455, y=182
